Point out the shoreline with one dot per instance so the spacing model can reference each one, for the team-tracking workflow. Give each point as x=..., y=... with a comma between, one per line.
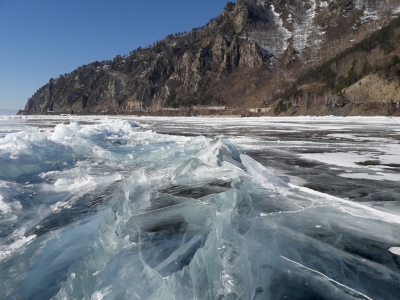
x=370, y=109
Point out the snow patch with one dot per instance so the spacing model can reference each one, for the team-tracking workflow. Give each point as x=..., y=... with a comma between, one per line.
x=280, y=42
x=395, y=250
x=4, y=207
x=59, y=206
x=261, y=3
x=323, y=4
x=6, y=251
x=306, y=31
x=376, y=176
x=100, y=294
x=396, y=10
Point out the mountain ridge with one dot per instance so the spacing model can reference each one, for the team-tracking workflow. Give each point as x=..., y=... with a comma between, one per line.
x=252, y=55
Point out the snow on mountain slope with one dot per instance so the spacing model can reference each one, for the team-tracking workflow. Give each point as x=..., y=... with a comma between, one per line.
x=305, y=29
x=300, y=25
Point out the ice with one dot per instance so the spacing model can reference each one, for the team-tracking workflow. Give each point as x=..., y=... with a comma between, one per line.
x=19, y=242
x=4, y=207
x=62, y=131
x=113, y=210
x=376, y=176
x=395, y=250
x=261, y=174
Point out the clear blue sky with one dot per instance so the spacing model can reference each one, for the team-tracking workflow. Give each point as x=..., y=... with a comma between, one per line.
x=40, y=39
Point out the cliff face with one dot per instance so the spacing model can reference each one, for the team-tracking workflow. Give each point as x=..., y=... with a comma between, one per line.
x=246, y=57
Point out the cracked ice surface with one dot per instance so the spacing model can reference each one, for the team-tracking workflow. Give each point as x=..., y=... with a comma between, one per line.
x=141, y=215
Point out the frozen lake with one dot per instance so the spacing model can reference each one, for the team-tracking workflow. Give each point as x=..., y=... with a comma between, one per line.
x=353, y=158
x=199, y=208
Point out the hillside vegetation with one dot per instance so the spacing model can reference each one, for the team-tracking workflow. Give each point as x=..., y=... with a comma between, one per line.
x=366, y=74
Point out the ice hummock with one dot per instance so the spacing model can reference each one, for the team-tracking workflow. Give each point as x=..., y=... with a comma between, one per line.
x=112, y=211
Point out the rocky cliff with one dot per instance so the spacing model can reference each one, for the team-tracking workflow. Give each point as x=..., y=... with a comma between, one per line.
x=253, y=55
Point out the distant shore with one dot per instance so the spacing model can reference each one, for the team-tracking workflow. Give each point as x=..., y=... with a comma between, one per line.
x=275, y=110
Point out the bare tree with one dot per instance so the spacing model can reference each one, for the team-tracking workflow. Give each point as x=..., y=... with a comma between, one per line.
x=387, y=107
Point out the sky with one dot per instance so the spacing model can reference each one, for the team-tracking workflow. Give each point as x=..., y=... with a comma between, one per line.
x=41, y=39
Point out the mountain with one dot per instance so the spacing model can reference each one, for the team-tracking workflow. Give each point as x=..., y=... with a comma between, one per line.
x=284, y=57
